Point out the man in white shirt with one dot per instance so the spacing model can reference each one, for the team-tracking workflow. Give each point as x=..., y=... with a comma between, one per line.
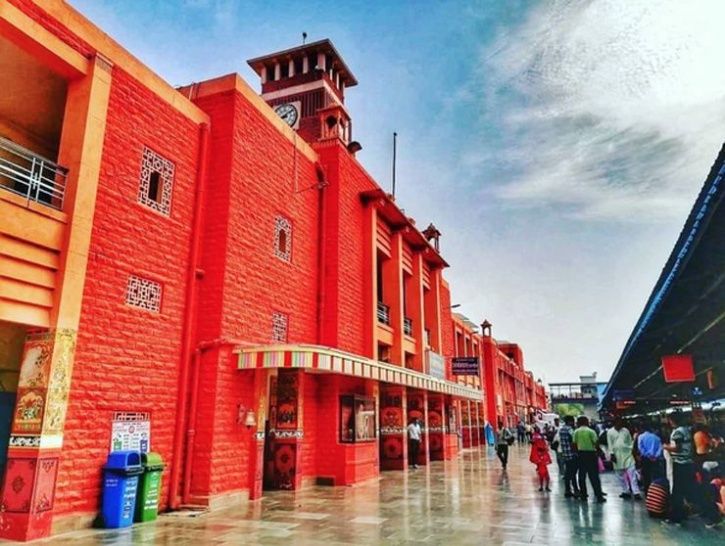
x=414, y=433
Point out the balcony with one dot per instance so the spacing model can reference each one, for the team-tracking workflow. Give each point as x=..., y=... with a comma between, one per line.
x=31, y=176
x=383, y=313
x=408, y=326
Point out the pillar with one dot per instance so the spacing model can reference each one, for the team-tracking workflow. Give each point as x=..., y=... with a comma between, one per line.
x=466, y=423
x=305, y=64
x=277, y=71
x=393, y=436
x=436, y=426
x=291, y=69
x=257, y=437
x=393, y=283
x=417, y=402
x=453, y=427
x=370, y=285
x=416, y=311
x=47, y=365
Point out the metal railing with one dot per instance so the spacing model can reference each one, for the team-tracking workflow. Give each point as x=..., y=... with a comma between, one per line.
x=408, y=326
x=383, y=313
x=30, y=175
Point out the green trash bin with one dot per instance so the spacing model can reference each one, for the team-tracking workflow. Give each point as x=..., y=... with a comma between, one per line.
x=149, y=487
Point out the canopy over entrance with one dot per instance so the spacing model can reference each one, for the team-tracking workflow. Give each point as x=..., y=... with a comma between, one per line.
x=684, y=315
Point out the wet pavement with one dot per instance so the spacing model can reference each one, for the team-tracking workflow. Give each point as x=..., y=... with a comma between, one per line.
x=465, y=501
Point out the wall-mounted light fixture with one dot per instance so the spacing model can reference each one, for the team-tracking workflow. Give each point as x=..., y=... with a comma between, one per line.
x=250, y=420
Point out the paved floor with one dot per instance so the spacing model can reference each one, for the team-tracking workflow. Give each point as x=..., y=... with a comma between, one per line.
x=467, y=501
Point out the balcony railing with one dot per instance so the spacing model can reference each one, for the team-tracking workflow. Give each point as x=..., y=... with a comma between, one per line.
x=30, y=175
x=383, y=313
x=408, y=326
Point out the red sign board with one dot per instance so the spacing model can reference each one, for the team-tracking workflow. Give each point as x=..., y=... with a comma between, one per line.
x=678, y=368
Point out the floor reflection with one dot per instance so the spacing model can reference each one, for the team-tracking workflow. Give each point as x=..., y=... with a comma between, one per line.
x=466, y=501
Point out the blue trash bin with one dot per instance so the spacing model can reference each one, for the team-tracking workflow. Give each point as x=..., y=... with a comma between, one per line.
x=120, y=484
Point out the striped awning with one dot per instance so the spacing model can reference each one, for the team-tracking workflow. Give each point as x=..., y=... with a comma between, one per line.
x=325, y=359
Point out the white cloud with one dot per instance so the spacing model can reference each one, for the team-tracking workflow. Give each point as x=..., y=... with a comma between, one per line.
x=612, y=109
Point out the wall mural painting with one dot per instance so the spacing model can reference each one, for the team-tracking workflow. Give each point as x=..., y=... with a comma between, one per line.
x=416, y=409
x=285, y=465
x=392, y=447
x=59, y=382
x=287, y=400
x=35, y=366
x=28, y=418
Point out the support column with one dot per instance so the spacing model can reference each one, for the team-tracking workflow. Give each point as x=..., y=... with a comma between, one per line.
x=256, y=442
x=370, y=284
x=453, y=427
x=418, y=407
x=393, y=437
x=393, y=283
x=417, y=313
x=436, y=426
x=28, y=496
x=466, y=423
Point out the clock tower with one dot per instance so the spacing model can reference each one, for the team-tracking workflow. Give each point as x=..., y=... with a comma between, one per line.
x=306, y=87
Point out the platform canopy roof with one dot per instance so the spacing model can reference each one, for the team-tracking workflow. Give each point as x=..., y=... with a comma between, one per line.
x=685, y=314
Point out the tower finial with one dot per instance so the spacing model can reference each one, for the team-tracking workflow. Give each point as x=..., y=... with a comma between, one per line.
x=304, y=38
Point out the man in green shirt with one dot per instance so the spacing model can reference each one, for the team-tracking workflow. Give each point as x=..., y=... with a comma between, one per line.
x=585, y=443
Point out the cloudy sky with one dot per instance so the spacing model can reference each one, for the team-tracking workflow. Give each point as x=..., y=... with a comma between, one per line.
x=558, y=145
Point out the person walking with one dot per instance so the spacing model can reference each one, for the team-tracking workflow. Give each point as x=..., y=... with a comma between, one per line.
x=540, y=457
x=555, y=441
x=683, y=468
x=414, y=434
x=650, y=452
x=520, y=432
x=620, y=445
x=585, y=444
x=568, y=455
x=505, y=436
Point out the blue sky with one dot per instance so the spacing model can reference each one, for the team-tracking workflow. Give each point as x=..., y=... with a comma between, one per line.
x=557, y=145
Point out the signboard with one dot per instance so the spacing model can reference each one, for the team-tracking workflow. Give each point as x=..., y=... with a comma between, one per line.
x=678, y=368
x=131, y=431
x=436, y=365
x=465, y=365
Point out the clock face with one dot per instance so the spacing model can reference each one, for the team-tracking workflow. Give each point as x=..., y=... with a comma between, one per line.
x=288, y=112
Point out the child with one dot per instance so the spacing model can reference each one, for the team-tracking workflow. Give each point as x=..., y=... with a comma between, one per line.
x=541, y=458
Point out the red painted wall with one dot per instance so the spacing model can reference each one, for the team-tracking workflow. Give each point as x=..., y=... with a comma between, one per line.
x=447, y=340
x=127, y=359
x=255, y=174
x=345, y=267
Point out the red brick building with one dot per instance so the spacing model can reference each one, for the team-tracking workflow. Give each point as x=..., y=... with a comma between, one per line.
x=219, y=270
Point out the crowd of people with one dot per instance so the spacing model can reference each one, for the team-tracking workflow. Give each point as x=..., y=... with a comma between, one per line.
x=675, y=466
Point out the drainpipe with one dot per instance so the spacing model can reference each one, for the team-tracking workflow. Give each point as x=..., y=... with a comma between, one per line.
x=192, y=407
x=321, y=252
x=193, y=275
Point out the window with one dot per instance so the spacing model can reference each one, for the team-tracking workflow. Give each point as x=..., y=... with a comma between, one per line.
x=283, y=238
x=357, y=419
x=157, y=182
x=279, y=327
x=143, y=293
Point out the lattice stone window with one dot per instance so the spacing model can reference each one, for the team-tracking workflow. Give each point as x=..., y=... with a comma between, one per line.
x=143, y=293
x=157, y=182
x=279, y=327
x=283, y=238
